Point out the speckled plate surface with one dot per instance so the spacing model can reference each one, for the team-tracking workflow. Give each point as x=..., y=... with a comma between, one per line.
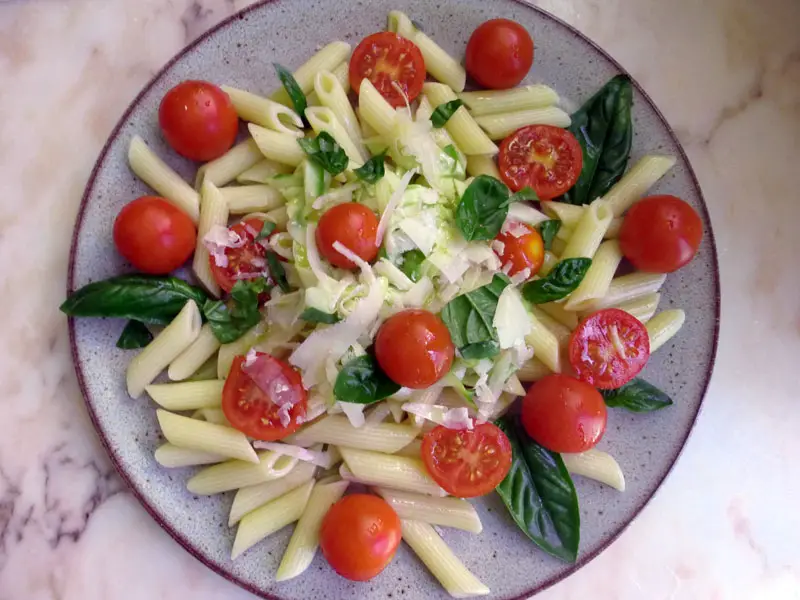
x=240, y=52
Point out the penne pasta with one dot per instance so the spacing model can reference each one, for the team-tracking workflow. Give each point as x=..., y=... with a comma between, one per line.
x=533, y=370
x=482, y=164
x=568, y=214
x=557, y=311
x=227, y=352
x=267, y=113
x=548, y=264
x=229, y=166
x=280, y=147
x=387, y=470
x=334, y=97
x=208, y=437
x=212, y=415
x=213, y=213
x=559, y=330
x=327, y=59
x=589, y=231
x=612, y=232
x=243, y=199
x=171, y=456
x=545, y=344
x=663, y=327
x=461, y=126
x=337, y=430
x=374, y=110
x=448, y=512
x=643, y=308
x=263, y=171
x=598, y=465
x=195, y=356
x=189, y=395
x=627, y=288
x=635, y=183
x=491, y=102
x=439, y=134
x=500, y=126
x=598, y=278
x=322, y=119
x=235, y=474
x=249, y=498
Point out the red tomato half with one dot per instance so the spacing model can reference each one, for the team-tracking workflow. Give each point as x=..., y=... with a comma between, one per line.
x=523, y=248
x=660, y=234
x=564, y=414
x=388, y=61
x=414, y=348
x=609, y=348
x=467, y=463
x=247, y=258
x=254, y=394
x=359, y=536
x=499, y=54
x=198, y=120
x=153, y=235
x=547, y=158
x=352, y=225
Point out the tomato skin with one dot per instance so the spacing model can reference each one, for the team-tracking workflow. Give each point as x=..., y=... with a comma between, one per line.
x=198, y=120
x=251, y=410
x=547, y=158
x=449, y=454
x=359, y=536
x=594, y=353
x=353, y=225
x=386, y=57
x=414, y=348
x=660, y=234
x=499, y=54
x=153, y=235
x=249, y=258
x=522, y=252
x=564, y=414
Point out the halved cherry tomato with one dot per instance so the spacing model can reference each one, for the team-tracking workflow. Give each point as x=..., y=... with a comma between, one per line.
x=352, y=225
x=247, y=258
x=388, y=61
x=499, y=54
x=467, y=463
x=359, y=536
x=564, y=414
x=255, y=394
x=522, y=248
x=660, y=234
x=153, y=235
x=198, y=120
x=414, y=348
x=609, y=348
x=547, y=158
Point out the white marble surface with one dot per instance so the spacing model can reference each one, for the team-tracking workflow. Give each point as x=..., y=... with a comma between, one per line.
x=724, y=527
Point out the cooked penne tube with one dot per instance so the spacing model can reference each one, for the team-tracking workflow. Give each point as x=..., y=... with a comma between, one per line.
x=243, y=199
x=247, y=499
x=280, y=147
x=635, y=183
x=374, y=110
x=221, y=171
x=188, y=395
x=206, y=371
x=342, y=75
x=663, y=327
x=322, y=119
x=545, y=345
x=627, y=288
x=327, y=59
x=337, y=430
x=213, y=212
x=235, y=474
x=279, y=216
x=558, y=247
x=482, y=164
x=491, y=102
x=548, y=264
x=413, y=450
x=267, y=113
x=448, y=512
x=559, y=330
x=642, y=308
x=564, y=233
x=227, y=352
x=165, y=347
x=598, y=465
x=208, y=437
x=212, y=415
x=557, y=311
x=612, y=232
x=171, y=456
x=263, y=171
x=461, y=126
x=599, y=276
x=387, y=470
x=589, y=231
x=568, y=214
x=533, y=370
x=439, y=134
x=158, y=175
x=500, y=126
x=271, y=517
x=333, y=96
x=195, y=356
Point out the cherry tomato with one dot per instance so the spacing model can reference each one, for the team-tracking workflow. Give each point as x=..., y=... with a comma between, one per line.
x=414, y=348
x=523, y=248
x=255, y=393
x=359, y=536
x=198, y=120
x=388, y=61
x=660, y=234
x=548, y=159
x=564, y=414
x=354, y=226
x=609, y=348
x=246, y=258
x=467, y=463
x=499, y=54
x=153, y=235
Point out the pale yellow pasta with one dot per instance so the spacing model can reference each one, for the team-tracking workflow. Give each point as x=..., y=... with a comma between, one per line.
x=243, y=199
x=221, y=171
x=568, y=214
x=388, y=470
x=635, y=183
x=461, y=126
x=374, y=110
x=280, y=147
x=235, y=474
x=627, y=288
x=322, y=119
x=663, y=327
x=549, y=263
x=247, y=499
x=559, y=330
x=482, y=164
x=212, y=415
x=337, y=430
x=490, y=102
x=263, y=171
x=187, y=395
x=598, y=465
x=206, y=372
x=158, y=175
x=545, y=345
x=502, y=125
x=213, y=213
x=208, y=437
x=267, y=113
x=558, y=247
x=448, y=512
x=327, y=59
x=227, y=352
x=171, y=456
x=413, y=450
x=557, y=311
x=564, y=233
x=643, y=308
x=598, y=278
x=333, y=96
x=439, y=134
x=195, y=356
x=533, y=370
x=612, y=232
x=165, y=347
x=589, y=231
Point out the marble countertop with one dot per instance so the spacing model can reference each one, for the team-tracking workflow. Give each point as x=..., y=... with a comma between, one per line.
x=724, y=526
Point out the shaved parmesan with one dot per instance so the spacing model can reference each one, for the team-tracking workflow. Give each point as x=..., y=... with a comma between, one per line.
x=521, y=276
x=366, y=270
x=498, y=246
x=452, y=418
x=422, y=233
x=451, y=267
x=337, y=196
x=312, y=254
x=511, y=319
x=524, y=213
x=395, y=276
x=391, y=206
x=316, y=457
x=418, y=295
x=354, y=413
x=217, y=239
x=250, y=357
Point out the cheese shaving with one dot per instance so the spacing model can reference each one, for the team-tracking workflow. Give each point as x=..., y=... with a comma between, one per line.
x=392, y=205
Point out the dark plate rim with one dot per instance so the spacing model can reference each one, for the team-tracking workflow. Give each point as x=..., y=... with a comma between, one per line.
x=221, y=569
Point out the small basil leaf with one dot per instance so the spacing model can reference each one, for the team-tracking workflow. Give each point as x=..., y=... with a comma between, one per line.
x=373, y=170
x=548, y=230
x=135, y=335
x=277, y=271
x=482, y=209
x=411, y=264
x=230, y=320
x=324, y=151
x=480, y=350
x=294, y=91
x=443, y=112
x=362, y=381
x=637, y=396
x=527, y=194
x=314, y=315
x=469, y=317
x=561, y=281
x=266, y=230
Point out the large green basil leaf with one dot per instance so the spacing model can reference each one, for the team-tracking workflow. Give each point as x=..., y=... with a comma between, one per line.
x=135, y=335
x=604, y=129
x=231, y=319
x=562, y=280
x=483, y=208
x=324, y=151
x=362, y=381
x=154, y=300
x=539, y=494
x=469, y=317
x=293, y=90
x=441, y=115
x=373, y=170
x=637, y=396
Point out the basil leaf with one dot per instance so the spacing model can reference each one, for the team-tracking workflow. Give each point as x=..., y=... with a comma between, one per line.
x=154, y=300
x=443, y=112
x=540, y=495
x=293, y=89
x=372, y=170
x=548, y=230
x=266, y=230
x=230, y=320
x=604, y=129
x=324, y=151
x=314, y=315
x=562, y=280
x=469, y=317
x=411, y=264
x=362, y=381
x=135, y=335
x=527, y=194
x=637, y=396
x=480, y=350
x=451, y=151
x=483, y=208
x=277, y=271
